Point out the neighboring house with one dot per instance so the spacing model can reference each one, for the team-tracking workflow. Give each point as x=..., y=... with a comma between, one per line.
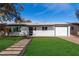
x=74, y=29
x=36, y=29
x=2, y=28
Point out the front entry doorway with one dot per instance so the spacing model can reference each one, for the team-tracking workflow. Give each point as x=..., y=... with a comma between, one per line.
x=30, y=30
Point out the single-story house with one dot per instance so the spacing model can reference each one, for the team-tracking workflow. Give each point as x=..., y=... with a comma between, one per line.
x=39, y=29
x=54, y=29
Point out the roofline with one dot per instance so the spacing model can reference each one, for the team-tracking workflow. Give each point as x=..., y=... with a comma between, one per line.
x=31, y=24
x=75, y=23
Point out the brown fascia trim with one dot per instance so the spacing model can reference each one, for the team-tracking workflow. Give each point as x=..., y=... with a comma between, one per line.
x=62, y=25
x=51, y=25
x=75, y=24
x=2, y=24
x=27, y=25
x=16, y=25
x=38, y=25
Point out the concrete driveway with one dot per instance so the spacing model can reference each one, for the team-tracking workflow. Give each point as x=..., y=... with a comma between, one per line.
x=74, y=39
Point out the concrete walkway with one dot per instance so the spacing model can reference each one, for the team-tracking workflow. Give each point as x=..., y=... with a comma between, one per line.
x=16, y=49
x=74, y=39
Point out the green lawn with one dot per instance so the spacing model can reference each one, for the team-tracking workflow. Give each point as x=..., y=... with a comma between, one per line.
x=8, y=41
x=51, y=47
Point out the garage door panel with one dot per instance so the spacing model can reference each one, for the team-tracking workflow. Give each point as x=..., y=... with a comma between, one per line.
x=61, y=31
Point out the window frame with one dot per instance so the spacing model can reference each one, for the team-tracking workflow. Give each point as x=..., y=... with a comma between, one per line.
x=44, y=27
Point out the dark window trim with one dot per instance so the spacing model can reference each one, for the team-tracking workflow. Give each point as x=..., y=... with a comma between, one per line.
x=44, y=27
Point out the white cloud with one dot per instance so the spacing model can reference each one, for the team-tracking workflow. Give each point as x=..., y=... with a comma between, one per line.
x=54, y=7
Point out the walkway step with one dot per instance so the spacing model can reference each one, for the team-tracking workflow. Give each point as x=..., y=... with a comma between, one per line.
x=10, y=53
x=16, y=49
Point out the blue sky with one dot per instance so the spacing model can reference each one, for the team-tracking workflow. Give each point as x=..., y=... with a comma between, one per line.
x=50, y=12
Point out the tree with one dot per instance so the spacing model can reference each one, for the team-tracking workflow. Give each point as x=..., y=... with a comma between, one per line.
x=29, y=21
x=8, y=11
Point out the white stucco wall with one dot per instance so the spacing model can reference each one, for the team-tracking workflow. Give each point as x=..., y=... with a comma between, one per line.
x=43, y=33
x=68, y=30
x=48, y=32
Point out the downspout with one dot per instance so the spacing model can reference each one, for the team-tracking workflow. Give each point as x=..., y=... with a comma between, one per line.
x=54, y=30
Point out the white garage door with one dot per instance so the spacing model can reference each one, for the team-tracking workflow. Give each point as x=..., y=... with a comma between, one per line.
x=61, y=31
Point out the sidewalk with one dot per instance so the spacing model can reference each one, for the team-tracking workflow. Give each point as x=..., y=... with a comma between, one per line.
x=16, y=49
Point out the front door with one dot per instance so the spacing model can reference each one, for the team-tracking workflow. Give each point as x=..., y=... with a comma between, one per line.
x=30, y=30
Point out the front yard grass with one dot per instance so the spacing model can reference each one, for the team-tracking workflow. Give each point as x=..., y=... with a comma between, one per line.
x=8, y=41
x=51, y=47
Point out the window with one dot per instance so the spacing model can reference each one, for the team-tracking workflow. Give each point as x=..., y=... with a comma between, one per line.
x=72, y=28
x=34, y=28
x=50, y=28
x=16, y=29
x=44, y=28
